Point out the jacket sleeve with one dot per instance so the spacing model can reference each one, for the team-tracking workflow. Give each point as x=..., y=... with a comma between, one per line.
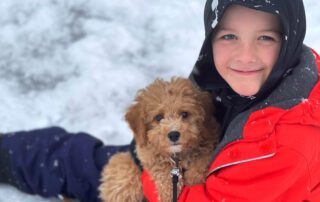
x=51, y=161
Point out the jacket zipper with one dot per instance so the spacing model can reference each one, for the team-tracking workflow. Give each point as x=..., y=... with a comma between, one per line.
x=239, y=162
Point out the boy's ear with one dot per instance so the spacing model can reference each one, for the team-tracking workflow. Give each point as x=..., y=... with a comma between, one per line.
x=135, y=119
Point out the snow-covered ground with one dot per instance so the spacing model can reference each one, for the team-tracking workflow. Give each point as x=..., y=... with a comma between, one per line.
x=78, y=63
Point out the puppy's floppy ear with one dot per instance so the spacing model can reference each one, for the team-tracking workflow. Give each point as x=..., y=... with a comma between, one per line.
x=135, y=118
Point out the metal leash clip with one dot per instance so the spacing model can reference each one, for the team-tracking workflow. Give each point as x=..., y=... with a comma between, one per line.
x=175, y=172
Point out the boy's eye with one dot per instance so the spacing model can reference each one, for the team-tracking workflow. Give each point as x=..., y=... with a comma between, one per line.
x=266, y=38
x=228, y=37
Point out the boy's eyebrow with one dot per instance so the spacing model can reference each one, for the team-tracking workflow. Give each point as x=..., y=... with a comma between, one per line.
x=221, y=28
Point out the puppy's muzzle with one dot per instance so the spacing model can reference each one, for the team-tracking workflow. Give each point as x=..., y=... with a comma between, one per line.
x=174, y=136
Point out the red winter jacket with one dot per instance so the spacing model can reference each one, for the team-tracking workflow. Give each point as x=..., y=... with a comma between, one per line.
x=277, y=155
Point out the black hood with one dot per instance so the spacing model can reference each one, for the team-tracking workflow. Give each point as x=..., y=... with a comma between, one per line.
x=228, y=103
x=292, y=17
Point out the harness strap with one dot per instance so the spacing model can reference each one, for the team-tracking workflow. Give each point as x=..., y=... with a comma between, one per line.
x=175, y=179
x=133, y=152
x=175, y=174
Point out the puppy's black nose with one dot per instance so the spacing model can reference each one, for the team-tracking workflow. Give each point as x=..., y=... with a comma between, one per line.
x=174, y=136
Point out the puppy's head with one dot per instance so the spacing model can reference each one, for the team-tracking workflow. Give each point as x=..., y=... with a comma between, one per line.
x=172, y=117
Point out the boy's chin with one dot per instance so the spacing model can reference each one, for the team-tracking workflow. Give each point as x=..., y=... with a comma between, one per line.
x=247, y=91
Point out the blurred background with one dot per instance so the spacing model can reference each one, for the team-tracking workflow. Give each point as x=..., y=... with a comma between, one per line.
x=78, y=63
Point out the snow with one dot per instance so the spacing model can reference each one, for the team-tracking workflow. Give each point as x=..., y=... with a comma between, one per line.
x=214, y=7
x=78, y=64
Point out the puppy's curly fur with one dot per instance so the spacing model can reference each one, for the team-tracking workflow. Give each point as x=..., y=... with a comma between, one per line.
x=160, y=109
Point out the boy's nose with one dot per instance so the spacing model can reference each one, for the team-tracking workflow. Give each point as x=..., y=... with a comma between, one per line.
x=246, y=53
x=174, y=136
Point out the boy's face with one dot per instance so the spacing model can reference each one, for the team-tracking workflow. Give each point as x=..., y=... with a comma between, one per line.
x=246, y=47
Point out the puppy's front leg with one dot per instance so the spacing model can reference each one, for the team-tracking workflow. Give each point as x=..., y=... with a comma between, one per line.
x=121, y=180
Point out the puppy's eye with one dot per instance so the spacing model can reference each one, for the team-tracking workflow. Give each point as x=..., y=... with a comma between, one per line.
x=158, y=118
x=184, y=114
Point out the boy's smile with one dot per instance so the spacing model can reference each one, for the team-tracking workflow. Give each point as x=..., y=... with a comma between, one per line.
x=246, y=47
